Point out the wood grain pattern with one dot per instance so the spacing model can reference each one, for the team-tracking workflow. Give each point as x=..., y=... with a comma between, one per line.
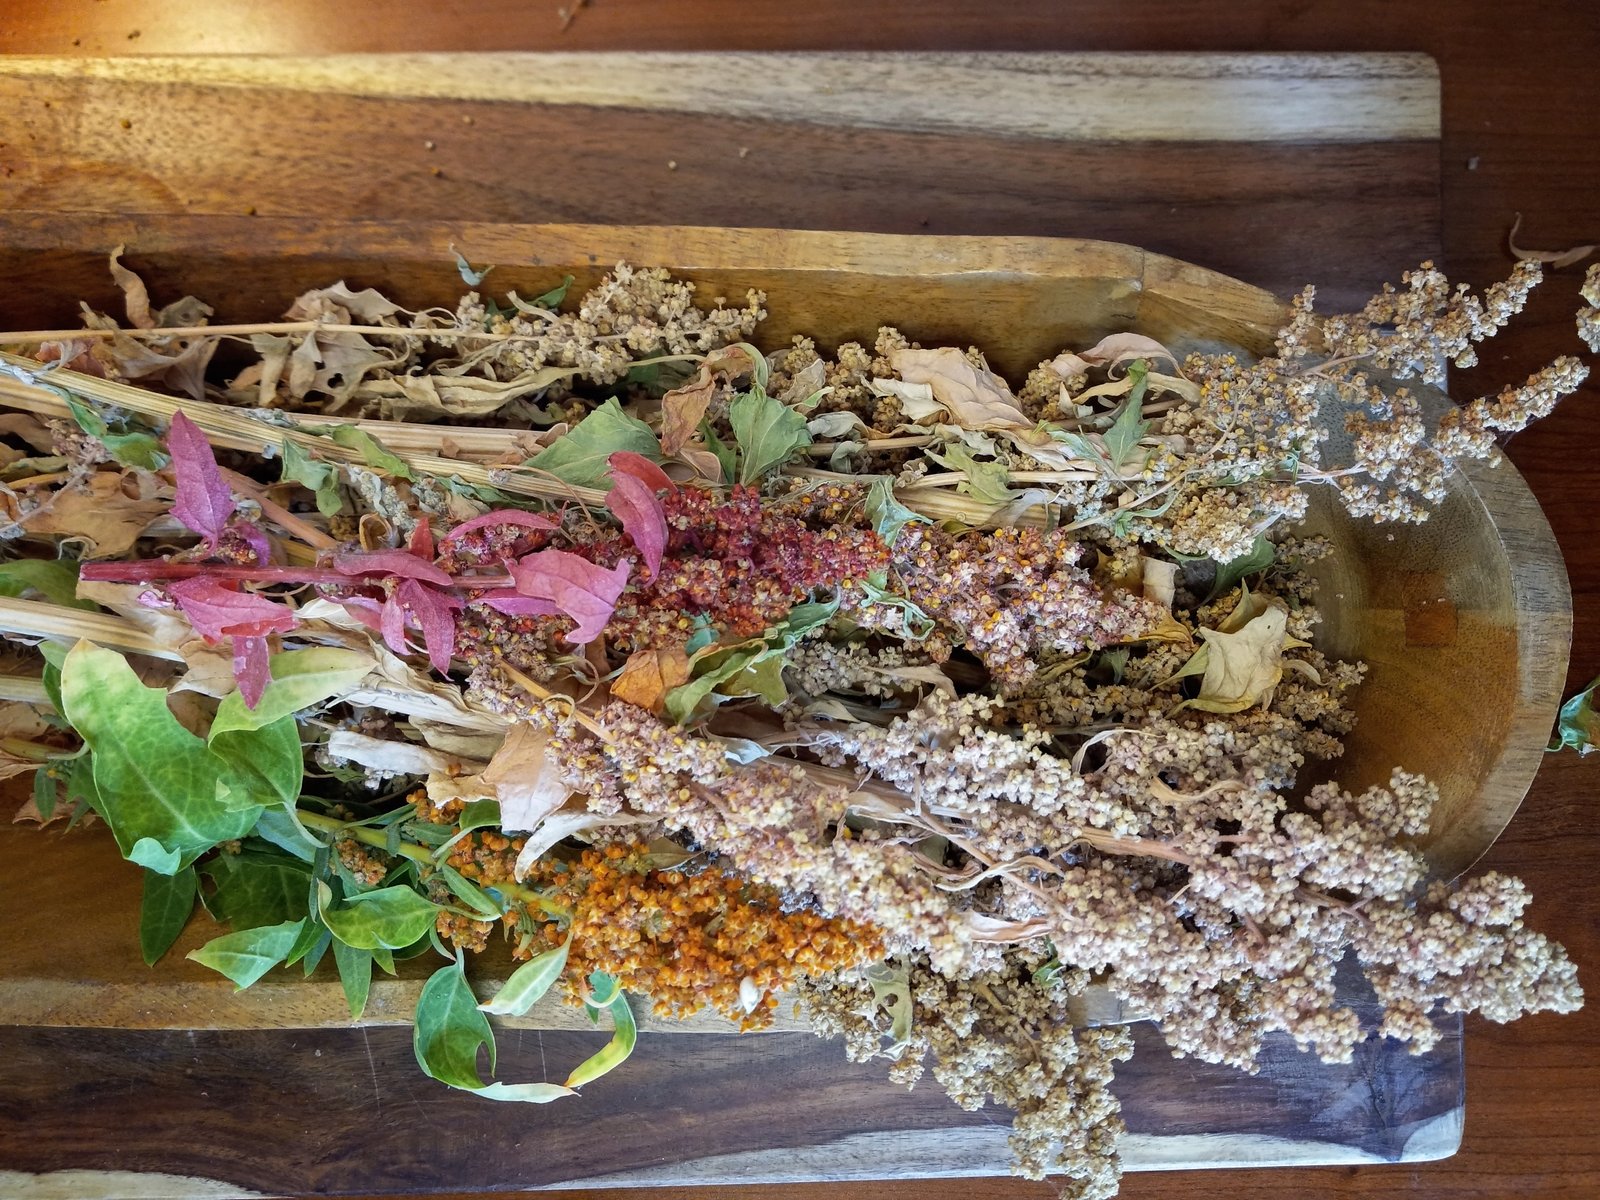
x=1519, y=131
x=1071, y=97
x=1273, y=212
x=689, y=1110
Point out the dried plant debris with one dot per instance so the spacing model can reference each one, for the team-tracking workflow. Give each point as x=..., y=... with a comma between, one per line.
x=706, y=675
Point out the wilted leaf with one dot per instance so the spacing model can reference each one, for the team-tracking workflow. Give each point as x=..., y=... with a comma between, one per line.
x=649, y=675
x=568, y=821
x=682, y=410
x=372, y=451
x=582, y=590
x=834, y=425
x=635, y=505
x=645, y=470
x=975, y=397
x=766, y=431
x=1159, y=581
x=1578, y=726
x=300, y=678
x=203, y=502
x=97, y=511
x=1242, y=668
x=888, y=515
x=1129, y=425
x=1125, y=347
x=314, y=474
x=428, y=397
x=582, y=456
x=986, y=482
x=469, y=276
x=525, y=779
x=1258, y=558
x=135, y=295
x=625, y=1032
x=387, y=757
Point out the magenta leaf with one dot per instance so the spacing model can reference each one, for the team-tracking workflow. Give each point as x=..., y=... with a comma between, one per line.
x=421, y=545
x=502, y=516
x=634, y=503
x=369, y=612
x=521, y=606
x=434, y=614
x=579, y=588
x=217, y=611
x=642, y=469
x=251, y=668
x=392, y=622
x=203, y=501
x=389, y=562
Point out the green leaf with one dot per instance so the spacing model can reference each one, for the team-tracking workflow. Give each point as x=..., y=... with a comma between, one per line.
x=355, y=974
x=479, y=814
x=554, y=297
x=372, y=451
x=136, y=449
x=281, y=826
x=918, y=624
x=528, y=984
x=44, y=792
x=388, y=918
x=254, y=888
x=763, y=677
x=310, y=945
x=54, y=655
x=1258, y=558
x=264, y=766
x=625, y=1033
x=987, y=482
x=449, y=1030
x=153, y=779
x=314, y=474
x=891, y=987
x=767, y=432
x=726, y=456
x=580, y=455
x=682, y=700
x=468, y=276
x=88, y=420
x=470, y=894
x=888, y=515
x=164, y=911
x=153, y=856
x=246, y=956
x=300, y=679
x=56, y=579
x=1578, y=726
x=1128, y=427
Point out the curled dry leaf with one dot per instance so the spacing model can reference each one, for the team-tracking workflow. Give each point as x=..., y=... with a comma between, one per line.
x=388, y=757
x=99, y=512
x=1119, y=348
x=525, y=779
x=975, y=397
x=1160, y=581
x=649, y=675
x=1555, y=258
x=1242, y=668
x=573, y=820
x=135, y=295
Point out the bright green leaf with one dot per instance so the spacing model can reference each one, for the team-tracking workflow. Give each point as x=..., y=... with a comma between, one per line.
x=391, y=917
x=45, y=786
x=164, y=911
x=152, y=777
x=314, y=474
x=767, y=432
x=246, y=956
x=256, y=888
x=1129, y=426
x=281, y=826
x=528, y=984
x=153, y=856
x=479, y=814
x=1258, y=558
x=470, y=894
x=987, y=481
x=580, y=456
x=355, y=974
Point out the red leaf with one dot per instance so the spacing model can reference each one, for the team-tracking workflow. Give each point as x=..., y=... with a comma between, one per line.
x=502, y=516
x=203, y=502
x=435, y=615
x=392, y=621
x=521, y=606
x=642, y=469
x=390, y=562
x=422, y=541
x=217, y=611
x=634, y=503
x=253, y=536
x=369, y=612
x=251, y=668
x=579, y=588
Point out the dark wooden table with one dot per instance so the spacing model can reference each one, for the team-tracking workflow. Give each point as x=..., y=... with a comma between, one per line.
x=1521, y=128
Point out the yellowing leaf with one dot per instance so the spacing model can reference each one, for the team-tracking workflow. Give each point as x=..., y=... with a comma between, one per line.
x=649, y=675
x=1242, y=668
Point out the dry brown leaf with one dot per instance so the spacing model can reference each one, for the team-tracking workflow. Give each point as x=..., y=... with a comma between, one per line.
x=134, y=293
x=30, y=429
x=413, y=397
x=98, y=511
x=682, y=410
x=525, y=779
x=1242, y=668
x=974, y=396
x=1160, y=581
x=1555, y=258
x=572, y=820
x=704, y=463
x=649, y=675
x=1125, y=347
x=341, y=306
x=182, y=370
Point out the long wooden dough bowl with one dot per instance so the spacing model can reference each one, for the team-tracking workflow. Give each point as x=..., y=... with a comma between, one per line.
x=1464, y=621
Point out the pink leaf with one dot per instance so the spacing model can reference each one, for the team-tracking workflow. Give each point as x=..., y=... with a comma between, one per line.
x=421, y=545
x=434, y=613
x=634, y=503
x=579, y=588
x=642, y=469
x=217, y=611
x=503, y=516
x=392, y=621
x=369, y=612
x=521, y=606
x=390, y=562
x=203, y=501
x=251, y=668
